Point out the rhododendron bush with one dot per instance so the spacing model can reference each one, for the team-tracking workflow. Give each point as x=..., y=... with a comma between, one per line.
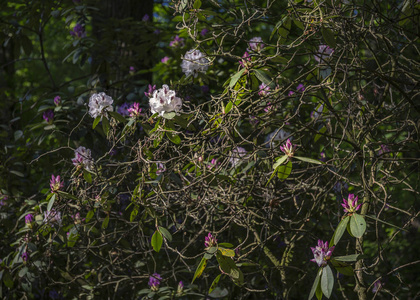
x=209, y=149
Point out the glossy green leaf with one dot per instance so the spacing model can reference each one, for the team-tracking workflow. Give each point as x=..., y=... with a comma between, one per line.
x=89, y=215
x=236, y=77
x=105, y=125
x=87, y=176
x=279, y=161
x=228, y=266
x=51, y=202
x=96, y=121
x=342, y=267
x=200, y=269
x=315, y=284
x=117, y=117
x=264, y=77
x=197, y=4
x=133, y=214
x=165, y=233
x=214, y=283
x=284, y=171
x=339, y=231
x=327, y=281
x=157, y=241
x=357, y=225
x=320, y=134
x=309, y=160
x=228, y=107
x=169, y=115
x=227, y=245
x=350, y=258
x=173, y=138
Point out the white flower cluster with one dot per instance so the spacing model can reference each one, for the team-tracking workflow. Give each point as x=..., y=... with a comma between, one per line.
x=276, y=136
x=256, y=44
x=194, y=61
x=164, y=100
x=237, y=155
x=83, y=157
x=99, y=103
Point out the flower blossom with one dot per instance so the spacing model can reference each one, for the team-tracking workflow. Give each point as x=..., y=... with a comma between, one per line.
x=146, y=18
x=25, y=257
x=237, y=155
x=99, y=104
x=29, y=218
x=164, y=100
x=322, y=253
x=268, y=108
x=264, y=90
x=350, y=205
x=151, y=89
x=194, y=61
x=48, y=116
x=135, y=110
x=55, y=183
x=57, y=100
x=300, y=89
x=256, y=44
x=317, y=112
x=83, y=158
x=180, y=288
x=177, y=42
x=377, y=286
x=160, y=168
x=204, y=32
x=210, y=241
x=165, y=60
x=123, y=109
x=78, y=31
x=384, y=149
x=324, y=54
x=52, y=216
x=245, y=62
x=288, y=148
x=132, y=70
x=253, y=120
x=154, y=281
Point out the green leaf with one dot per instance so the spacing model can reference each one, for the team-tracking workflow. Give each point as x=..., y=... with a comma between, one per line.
x=51, y=202
x=133, y=214
x=339, y=231
x=263, y=77
x=327, y=281
x=227, y=252
x=157, y=241
x=169, y=115
x=309, y=160
x=89, y=215
x=350, y=258
x=284, y=171
x=105, y=223
x=117, y=116
x=228, y=107
x=105, y=125
x=357, y=225
x=298, y=23
x=328, y=36
x=165, y=233
x=214, y=283
x=7, y=279
x=200, y=269
x=315, y=284
x=318, y=292
x=197, y=4
x=26, y=44
x=23, y=271
x=173, y=138
x=87, y=176
x=342, y=267
x=96, y=121
x=228, y=266
x=236, y=77
x=279, y=161
x=228, y=245
x=319, y=135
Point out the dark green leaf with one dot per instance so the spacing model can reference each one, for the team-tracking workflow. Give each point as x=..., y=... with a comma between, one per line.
x=342, y=267
x=263, y=77
x=105, y=125
x=96, y=122
x=228, y=107
x=157, y=241
x=328, y=36
x=173, y=138
x=105, y=223
x=165, y=233
x=87, y=176
x=133, y=214
x=350, y=258
x=7, y=279
x=89, y=215
x=117, y=116
x=327, y=281
x=197, y=4
x=227, y=245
